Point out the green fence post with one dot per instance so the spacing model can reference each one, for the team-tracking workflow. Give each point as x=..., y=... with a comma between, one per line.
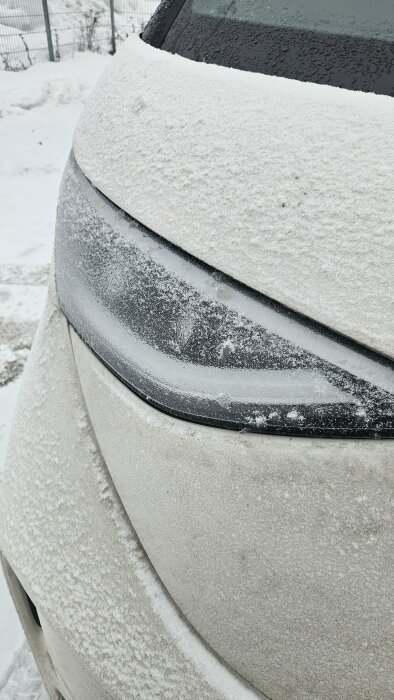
x=48, y=30
x=113, y=28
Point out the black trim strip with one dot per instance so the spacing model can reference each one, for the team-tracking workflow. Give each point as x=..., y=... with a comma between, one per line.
x=161, y=22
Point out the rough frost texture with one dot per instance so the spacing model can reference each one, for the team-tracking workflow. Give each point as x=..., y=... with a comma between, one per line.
x=286, y=186
x=76, y=553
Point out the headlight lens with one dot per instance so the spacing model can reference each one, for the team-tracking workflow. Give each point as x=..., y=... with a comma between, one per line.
x=200, y=346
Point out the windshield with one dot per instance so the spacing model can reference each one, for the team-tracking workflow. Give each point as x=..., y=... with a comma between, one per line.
x=364, y=18
x=345, y=43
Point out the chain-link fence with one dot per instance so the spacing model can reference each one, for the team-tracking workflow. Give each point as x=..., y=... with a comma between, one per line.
x=40, y=30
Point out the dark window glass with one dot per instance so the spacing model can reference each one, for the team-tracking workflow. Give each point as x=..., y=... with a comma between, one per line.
x=349, y=44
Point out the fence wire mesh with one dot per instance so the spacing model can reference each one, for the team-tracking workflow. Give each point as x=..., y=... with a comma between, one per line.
x=40, y=30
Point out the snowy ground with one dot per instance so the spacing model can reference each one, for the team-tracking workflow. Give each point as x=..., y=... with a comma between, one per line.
x=38, y=111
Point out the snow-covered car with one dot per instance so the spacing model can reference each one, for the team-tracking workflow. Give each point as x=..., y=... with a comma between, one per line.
x=199, y=494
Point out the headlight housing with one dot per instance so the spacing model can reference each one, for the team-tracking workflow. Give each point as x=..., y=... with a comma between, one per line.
x=200, y=346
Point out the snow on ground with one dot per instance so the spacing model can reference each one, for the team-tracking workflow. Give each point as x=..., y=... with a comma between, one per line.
x=38, y=111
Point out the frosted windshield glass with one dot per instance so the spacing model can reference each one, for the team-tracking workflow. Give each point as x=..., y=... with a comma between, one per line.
x=352, y=17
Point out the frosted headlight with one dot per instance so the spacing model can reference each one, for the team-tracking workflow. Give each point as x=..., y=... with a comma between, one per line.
x=200, y=346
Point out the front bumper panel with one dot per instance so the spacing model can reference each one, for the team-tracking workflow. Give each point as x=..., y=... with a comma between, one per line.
x=71, y=545
x=278, y=550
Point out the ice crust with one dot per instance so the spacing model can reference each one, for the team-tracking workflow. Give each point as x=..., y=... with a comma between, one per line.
x=288, y=187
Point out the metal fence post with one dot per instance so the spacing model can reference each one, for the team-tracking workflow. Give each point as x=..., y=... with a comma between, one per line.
x=48, y=30
x=113, y=28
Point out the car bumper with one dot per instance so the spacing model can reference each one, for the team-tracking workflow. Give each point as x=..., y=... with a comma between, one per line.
x=109, y=628
x=277, y=550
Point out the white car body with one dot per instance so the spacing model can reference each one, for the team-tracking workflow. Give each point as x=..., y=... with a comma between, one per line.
x=169, y=559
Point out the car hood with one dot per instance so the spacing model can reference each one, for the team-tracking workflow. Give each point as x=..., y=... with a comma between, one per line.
x=285, y=186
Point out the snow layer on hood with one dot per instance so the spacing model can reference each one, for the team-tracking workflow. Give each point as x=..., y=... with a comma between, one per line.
x=286, y=186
